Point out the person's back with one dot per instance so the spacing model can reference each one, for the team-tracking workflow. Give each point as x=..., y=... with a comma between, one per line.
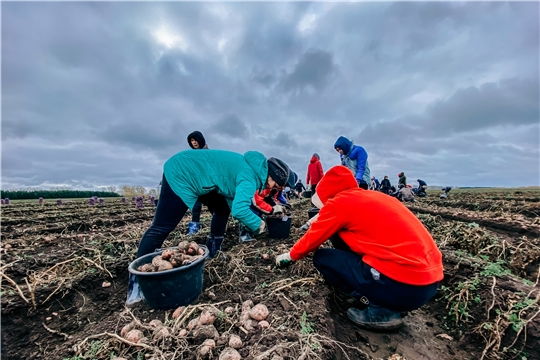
x=315, y=172
x=406, y=194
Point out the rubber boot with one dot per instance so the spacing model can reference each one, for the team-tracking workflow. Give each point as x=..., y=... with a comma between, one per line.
x=213, y=243
x=135, y=294
x=376, y=318
x=193, y=228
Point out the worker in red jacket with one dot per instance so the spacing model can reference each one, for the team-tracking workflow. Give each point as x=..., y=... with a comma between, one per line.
x=389, y=266
x=314, y=172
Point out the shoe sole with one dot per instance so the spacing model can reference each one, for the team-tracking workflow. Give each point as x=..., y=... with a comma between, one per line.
x=387, y=326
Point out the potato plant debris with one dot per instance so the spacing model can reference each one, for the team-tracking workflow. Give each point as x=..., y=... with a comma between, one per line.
x=64, y=272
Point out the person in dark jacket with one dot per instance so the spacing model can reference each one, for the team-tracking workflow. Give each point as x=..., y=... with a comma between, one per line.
x=355, y=158
x=314, y=172
x=196, y=141
x=421, y=190
x=385, y=185
x=299, y=188
x=402, y=182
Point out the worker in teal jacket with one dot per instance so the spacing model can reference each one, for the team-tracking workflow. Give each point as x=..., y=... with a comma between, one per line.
x=224, y=181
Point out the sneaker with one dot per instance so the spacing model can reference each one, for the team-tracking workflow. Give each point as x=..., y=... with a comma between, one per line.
x=193, y=228
x=375, y=318
x=245, y=237
x=213, y=243
x=135, y=294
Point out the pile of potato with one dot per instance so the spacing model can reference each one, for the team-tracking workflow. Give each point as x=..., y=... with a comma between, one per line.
x=186, y=253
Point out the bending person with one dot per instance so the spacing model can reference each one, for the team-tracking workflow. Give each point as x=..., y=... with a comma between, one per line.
x=390, y=267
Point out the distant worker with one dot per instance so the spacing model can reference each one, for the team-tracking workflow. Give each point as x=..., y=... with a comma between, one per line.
x=299, y=188
x=314, y=172
x=385, y=185
x=196, y=141
x=445, y=190
x=406, y=194
x=355, y=158
x=374, y=183
x=421, y=190
x=388, y=266
x=402, y=182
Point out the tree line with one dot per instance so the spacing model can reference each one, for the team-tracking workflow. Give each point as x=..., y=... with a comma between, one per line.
x=54, y=194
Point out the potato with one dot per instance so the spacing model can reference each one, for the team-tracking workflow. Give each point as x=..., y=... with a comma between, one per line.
x=193, y=248
x=182, y=333
x=259, y=312
x=229, y=310
x=235, y=342
x=134, y=336
x=188, y=259
x=229, y=354
x=247, y=305
x=207, y=317
x=167, y=254
x=161, y=333
x=164, y=265
x=209, y=342
x=193, y=323
x=155, y=323
x=177, y=260
x=206, y=348
x=265, y=256
x=201, y=251
x=146, y=268
x=264, y=324
x=176, y=314
x=156, y=260
x=203, y=332
x=183, y=246
x=127, y=329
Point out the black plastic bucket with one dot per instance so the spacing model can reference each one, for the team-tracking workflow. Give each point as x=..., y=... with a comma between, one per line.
x=306, y=194
x=312, y=212
x=170, y=289
x=279, y=227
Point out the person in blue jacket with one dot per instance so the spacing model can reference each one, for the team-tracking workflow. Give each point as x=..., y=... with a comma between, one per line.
x=224, y=181
x=355, y=158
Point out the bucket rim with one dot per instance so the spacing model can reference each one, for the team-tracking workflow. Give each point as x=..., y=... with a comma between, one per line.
x=133, y=271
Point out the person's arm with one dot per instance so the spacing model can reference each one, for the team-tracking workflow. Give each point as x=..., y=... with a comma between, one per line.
x=307, y=176
x=320, y=169
x=245, y=188
x=361, y=157
x=327, y=224
x=281, y=198
x=260, y=204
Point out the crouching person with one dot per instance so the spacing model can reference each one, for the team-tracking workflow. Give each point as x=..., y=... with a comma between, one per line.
x=390, y=267
x=224, y=181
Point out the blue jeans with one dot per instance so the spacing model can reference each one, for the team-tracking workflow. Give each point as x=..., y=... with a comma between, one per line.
x=344, y=269
x=171, y=209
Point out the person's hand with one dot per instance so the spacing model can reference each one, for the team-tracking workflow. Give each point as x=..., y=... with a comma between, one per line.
x=276, y=209
x=287, y=207
x=305, y=227
x=284, y=259
x=262, y=227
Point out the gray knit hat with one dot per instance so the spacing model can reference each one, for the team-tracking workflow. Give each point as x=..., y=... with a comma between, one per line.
x=278, y=170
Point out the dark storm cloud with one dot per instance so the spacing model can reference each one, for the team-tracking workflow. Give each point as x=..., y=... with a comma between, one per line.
x=104, y=93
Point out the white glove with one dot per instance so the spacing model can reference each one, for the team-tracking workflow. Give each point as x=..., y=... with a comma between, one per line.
x=305, y=227
x=284, y=259
x=262, y=227
x=277, y=209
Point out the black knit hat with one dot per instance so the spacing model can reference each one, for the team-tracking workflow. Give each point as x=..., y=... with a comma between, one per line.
x=293, y=178
x=198, y=136
x=278, y=170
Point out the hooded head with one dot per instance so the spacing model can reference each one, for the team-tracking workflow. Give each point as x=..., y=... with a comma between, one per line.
x=401, y=174
x=293, y=178
x=315, y=155
x=278, y=170
x=344, y=144
x=197, y=136
x=336, y=180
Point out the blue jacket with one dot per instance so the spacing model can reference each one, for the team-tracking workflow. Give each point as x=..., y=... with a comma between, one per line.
x=237, y=177
x=355, y=158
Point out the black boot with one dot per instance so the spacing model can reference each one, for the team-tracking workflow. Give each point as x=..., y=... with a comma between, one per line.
x=135, y=294
x=213, y=243
x=375, y=318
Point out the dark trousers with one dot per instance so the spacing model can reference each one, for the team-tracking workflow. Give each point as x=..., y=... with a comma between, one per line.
x=313, y=187
x=344, y=269
x=196, y=212
x=171, y=209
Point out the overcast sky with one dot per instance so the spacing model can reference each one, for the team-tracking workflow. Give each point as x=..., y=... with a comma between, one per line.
x=101, y=94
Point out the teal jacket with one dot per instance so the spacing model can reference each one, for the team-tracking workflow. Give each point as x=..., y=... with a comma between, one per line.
x=237, y=177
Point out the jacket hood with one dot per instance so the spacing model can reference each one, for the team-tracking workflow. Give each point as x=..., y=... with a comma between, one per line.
x=258, y=163
x=336, y=180
x=199, y=137
x=313, y=159
x=344, y=144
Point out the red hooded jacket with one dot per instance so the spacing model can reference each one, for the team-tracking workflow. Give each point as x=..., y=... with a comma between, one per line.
x=314, y=171
x=400, y=248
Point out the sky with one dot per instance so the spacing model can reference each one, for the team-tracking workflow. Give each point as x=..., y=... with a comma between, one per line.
x=100, y=94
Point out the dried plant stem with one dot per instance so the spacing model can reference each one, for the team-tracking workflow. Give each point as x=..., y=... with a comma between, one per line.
x=16, y=286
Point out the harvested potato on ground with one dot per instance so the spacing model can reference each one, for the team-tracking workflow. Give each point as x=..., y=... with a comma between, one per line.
x=259, y=312
x=155, y=323
x=167, y=254
x=206, y=348
x=161, y=333
x=229, y=310
x=193, y=248
x=247, y=305
x=176, y=314
x=127, y=329
x=229, y=354
x=177, y=260
x=264, y=324
x=207, y=317
x=182, y=333
x=183, y=246
x=235, y=342
x=134, y=336
x=201, y=251
x=146, y=268
x=193, y=323
x=204, y=332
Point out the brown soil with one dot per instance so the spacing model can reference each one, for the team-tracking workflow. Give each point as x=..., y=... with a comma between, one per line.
x=60, y=256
